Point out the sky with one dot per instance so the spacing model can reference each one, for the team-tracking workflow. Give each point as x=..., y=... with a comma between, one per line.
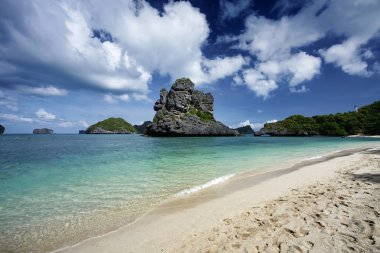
x=67, y=64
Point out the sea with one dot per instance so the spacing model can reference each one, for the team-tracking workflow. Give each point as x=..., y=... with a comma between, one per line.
x=57, y=190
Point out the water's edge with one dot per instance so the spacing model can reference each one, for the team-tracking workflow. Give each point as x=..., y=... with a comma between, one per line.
x=221, y=186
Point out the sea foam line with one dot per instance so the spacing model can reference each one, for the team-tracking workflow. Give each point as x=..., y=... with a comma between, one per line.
x=212, y=182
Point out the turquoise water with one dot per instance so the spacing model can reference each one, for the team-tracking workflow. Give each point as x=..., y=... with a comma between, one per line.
x=56, y=190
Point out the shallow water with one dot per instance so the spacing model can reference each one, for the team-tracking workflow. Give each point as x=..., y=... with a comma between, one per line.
x=56, y=190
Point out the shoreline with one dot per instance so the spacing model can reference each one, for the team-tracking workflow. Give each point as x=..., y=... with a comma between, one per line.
x=215, y=200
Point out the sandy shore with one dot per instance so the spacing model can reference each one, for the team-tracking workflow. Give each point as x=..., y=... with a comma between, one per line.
x=328, y=205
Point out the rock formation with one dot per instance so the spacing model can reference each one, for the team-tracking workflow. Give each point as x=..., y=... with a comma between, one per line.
x=42, y=131
x=82, y=131
x=245, y=130
x=111, y=126
x=142, y=128
x=184, y=111
x=2, y=129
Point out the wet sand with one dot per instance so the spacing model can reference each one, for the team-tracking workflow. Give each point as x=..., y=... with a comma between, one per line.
x=327, y=205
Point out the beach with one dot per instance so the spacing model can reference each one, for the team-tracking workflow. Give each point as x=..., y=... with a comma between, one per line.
x=329, y=204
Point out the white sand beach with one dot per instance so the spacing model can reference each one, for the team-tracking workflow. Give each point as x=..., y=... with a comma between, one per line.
x=328, y=205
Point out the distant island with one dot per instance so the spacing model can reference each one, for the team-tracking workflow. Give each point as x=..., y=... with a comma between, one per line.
x=183, y=111
x=43, y=131
x=2, y=129
x=142, y=128
x=111, y=126
x=366, y=120
x=245, y=130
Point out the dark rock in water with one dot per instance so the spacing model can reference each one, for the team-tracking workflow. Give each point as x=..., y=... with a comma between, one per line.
x=245, y=130
x=42, y=131
x=184, y=111
x=111, y=126
x=141, y=128
x=2, y=129
x=82, y=131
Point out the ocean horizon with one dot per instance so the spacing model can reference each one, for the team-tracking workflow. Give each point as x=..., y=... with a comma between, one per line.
x=57, y=190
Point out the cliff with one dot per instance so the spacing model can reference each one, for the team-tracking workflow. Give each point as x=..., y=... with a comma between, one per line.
x=365, y=121
x=111, y=126
x=183, y=111
x=42, y=131
x=2, y=129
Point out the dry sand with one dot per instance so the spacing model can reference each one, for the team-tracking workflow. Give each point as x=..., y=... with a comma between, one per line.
x=330, y=206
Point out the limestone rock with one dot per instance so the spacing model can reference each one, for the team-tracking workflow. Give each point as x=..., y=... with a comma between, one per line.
x=245, y=130
x=183, y=111
x=142, y=128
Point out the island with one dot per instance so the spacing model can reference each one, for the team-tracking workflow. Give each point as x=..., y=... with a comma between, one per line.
x=364, y=121
x=111, y=126
x=2, y=129
x=245, y=130
x=142, y=128
x=42, y=131
x=183, y=111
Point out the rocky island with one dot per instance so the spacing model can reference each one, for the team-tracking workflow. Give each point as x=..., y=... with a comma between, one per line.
x=111, y=126
x=2, y=129
x=245, y=130
x=183, y=111
x=142, y=128
x=42, y=131
x=364, y=121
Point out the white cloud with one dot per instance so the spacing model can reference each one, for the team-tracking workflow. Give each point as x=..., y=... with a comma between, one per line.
x=44, y=115
x=8, y=102
x=259, y=111
x=348, y=57
x=259, y=83
x=114, y=99
x=113, y=46
x=254, y=125
x=232, y=9
x=14, y=118
x=83, y=123
x=43, y=91
x=277, y=44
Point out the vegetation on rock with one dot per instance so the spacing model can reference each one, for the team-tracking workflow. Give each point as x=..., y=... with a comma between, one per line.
x=365, y=121
x=116, y=125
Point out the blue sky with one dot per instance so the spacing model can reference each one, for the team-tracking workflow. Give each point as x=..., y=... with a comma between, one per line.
x=68, y=64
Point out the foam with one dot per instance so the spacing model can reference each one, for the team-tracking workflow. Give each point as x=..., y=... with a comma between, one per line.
x=208, y=184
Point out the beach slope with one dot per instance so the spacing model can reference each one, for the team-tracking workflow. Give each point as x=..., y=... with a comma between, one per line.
x=328, y=206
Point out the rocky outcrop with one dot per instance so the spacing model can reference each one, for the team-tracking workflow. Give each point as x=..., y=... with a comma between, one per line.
x=245, y=130
x=142, y=128
x=183, y=111
x=42, y=131
x=2, y=129
x=82, y=131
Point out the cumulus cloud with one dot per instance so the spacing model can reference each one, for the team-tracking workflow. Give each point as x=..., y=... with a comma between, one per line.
x=259, y=83
x=15, y=118
x=278, y=45
x=110, y=46
x=44, y=115
x=232, y=9
x=254, y=125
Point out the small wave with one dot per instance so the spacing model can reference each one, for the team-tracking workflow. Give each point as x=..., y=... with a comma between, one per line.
x=215, y=181
x=313, y=158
